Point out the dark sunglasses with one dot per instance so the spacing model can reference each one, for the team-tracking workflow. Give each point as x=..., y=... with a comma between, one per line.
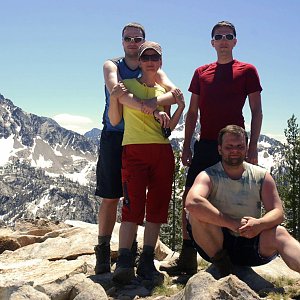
x=153, y=57
x=129, y=39
x=228, y=37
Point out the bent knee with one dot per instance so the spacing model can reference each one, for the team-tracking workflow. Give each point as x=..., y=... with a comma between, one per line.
x=273, y=233
x=270, y=239
x=194, y=222
x=280, y=230
x=107, y=203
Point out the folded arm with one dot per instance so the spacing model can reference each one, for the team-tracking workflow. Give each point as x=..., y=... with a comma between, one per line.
x=200, y=208
x=274, y=211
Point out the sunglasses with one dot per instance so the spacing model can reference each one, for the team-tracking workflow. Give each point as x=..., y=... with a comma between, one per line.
x=218, y=37
x=129, y=39
x=153, y=57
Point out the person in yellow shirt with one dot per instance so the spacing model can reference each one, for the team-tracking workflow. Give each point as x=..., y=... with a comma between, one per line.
x=147, y=163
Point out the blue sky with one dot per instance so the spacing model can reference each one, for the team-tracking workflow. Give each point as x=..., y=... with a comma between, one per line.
x=52, y=51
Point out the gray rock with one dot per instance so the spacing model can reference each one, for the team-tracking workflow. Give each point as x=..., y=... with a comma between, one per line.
x=203, y=286
x=60, y=266
x=29, y=293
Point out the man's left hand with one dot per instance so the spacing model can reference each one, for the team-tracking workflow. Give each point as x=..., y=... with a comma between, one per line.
x=250, y=227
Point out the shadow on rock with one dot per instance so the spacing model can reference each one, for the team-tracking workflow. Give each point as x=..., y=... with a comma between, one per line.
x=256, y=282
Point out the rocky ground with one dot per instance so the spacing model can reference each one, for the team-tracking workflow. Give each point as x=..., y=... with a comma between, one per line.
x=40, y=259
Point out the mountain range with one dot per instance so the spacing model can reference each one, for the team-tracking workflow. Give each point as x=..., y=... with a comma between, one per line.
x=49, y=171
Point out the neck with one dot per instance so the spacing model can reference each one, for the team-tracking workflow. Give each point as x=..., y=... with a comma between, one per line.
x=224, y=59
x=148, y=79
x=233, y=172
x=131, y=62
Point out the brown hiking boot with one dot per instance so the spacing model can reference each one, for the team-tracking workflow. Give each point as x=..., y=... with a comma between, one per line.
x=186, y=263
x=102, y=258
x=124, y=271
x=146, y=269
x=223, y=263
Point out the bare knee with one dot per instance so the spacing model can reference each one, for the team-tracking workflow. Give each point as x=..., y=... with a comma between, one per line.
x=271, y=240
x=109, y=202
x=281, y=232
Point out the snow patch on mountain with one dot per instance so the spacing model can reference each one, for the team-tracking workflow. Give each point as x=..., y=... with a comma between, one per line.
x=6, y=149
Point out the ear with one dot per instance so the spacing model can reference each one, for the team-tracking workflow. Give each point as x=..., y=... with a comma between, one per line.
x=235, y=41
x=213, y=43
x=219, y=150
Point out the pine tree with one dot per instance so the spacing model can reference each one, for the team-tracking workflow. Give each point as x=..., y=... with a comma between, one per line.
x=289, y=187
x=171, y=233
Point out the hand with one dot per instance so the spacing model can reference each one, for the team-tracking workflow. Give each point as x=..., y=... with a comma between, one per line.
x=118, y=90
x=162, y=118
x=186, y=156
x=179, y=98
x=149, y=106
x=250, y=227
x=252, y=156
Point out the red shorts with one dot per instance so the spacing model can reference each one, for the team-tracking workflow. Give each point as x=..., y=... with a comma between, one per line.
x=147, y=177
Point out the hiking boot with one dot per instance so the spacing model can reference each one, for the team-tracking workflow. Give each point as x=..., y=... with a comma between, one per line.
x=102, y=252
x=124, y=271
x=147, y=270
x=186, y=263
x=223, y=263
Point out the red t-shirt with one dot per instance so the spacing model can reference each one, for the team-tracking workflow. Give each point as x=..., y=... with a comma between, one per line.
x=223, y=89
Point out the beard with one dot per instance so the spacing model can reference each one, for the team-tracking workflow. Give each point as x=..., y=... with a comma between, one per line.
x=233, y=161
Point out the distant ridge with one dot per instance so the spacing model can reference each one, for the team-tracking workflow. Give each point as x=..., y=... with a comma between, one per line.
x=48, y=171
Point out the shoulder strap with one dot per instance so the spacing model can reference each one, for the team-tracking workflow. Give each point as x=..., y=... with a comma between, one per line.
x=116, y=61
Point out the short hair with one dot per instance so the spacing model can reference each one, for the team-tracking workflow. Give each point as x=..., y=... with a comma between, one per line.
x=223, y=24
x=232, y=129
x=135, y=25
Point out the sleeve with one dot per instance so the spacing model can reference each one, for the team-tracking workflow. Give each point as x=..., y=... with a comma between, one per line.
x=195, y=83
x=252, y=80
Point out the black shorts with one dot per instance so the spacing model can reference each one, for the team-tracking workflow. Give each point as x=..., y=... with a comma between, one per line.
x=205, y=155
x=242, y=251
x=108, y=172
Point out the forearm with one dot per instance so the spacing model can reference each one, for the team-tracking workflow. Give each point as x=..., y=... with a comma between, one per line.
x=176, y=117
x=131, y=101
x=204, y=211
x=271, y=219
x=166, y=99
x=256, y=122
x=190, y=124
x=115, y=111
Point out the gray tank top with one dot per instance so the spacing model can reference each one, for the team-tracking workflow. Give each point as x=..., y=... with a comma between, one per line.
x=237, y=198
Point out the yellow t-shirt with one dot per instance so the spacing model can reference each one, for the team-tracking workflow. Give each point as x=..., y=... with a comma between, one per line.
x=141, y=128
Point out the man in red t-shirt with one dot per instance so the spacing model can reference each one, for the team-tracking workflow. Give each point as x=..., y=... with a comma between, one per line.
x=219, y=91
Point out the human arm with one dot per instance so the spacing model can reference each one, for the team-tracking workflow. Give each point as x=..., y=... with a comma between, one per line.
x=110, y=72
x=163, y=100
x=190, y=124
x=115, y=109
x=148, y=106
x=273, y=207
x=200, y=208
x=163, y=80
x=256, y=121
x=179, y=98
